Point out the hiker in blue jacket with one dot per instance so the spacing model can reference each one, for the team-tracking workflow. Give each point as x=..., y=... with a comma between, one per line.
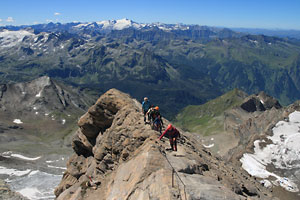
x=145, y=107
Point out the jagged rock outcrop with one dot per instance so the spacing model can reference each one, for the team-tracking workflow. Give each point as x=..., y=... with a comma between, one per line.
x=250, y=125
x=117, y=157
x=251, y=120
x=260, y=102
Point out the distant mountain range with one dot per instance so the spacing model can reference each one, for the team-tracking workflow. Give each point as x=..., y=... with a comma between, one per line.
x=284, y=33
x=111, y=25
x=174, y=65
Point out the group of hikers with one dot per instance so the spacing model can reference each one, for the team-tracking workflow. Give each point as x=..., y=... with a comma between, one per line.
x=154, y=117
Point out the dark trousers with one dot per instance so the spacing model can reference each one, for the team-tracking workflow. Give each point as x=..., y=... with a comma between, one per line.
x=145, y=116
x=173, y=143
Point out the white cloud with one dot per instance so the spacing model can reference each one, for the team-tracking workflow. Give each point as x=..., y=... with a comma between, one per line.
x=0, y=20
x=57, y=13
x=49, y=20
x=10, y=19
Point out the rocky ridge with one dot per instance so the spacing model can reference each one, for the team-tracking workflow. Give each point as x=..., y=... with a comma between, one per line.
x=117, y=156
x=252, y=120
x=41, y=94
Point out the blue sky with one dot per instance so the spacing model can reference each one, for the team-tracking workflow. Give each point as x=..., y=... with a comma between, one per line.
x=282, y=14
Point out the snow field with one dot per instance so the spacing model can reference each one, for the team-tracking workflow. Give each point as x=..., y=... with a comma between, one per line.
x=283, y=153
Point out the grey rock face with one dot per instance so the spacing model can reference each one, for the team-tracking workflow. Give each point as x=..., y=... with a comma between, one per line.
x=42, y=94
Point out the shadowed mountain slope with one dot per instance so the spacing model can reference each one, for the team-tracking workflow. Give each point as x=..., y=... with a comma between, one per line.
x=39, y=111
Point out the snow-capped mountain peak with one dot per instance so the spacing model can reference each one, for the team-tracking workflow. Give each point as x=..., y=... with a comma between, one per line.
x=125, y=23
x=110, y=24
x=11, y=38
x=118, y=24
x=121, y=24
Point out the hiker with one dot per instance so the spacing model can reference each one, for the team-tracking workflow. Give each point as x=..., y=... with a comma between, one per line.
x=150, y=114
x=155, y=116
x=145, y=107
x=157, y=119
x=172, y=133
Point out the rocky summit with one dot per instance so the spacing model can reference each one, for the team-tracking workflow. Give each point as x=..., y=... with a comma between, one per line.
x=116, y=156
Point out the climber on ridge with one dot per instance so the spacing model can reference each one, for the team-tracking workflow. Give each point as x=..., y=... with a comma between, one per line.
x=145, y=107
x=155, y=118
x=172, y=133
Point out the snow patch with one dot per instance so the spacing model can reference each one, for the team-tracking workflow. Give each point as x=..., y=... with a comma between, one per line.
x=266, y=183
x=39, y=94
x=254, y=166
x=10, y=154
x=33, y=188
x=52, y=161
x=209, y=146
x=24, y=157
x=31, y=193
x=17, y=121
x=13, y=172
x=32, y=173
x=283, y=153
x=254, y=41
x=261, y=101
x=55, y=167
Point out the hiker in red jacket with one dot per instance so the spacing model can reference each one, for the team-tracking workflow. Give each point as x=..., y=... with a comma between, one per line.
x=172, y=133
